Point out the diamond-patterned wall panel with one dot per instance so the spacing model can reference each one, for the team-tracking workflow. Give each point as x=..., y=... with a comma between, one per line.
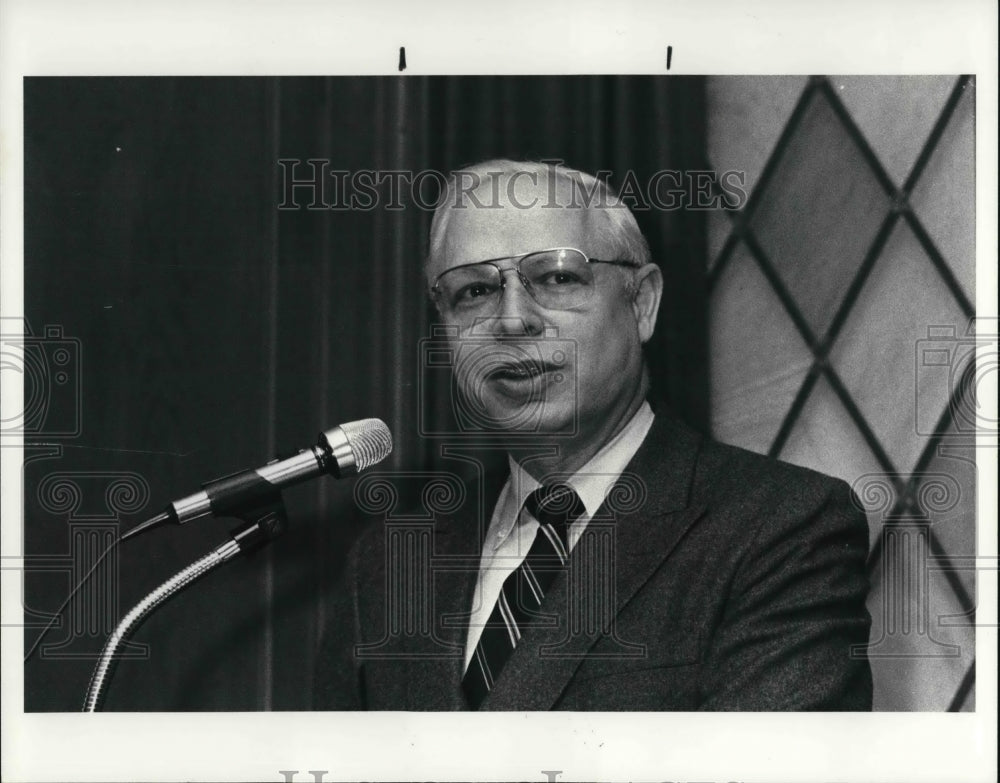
x=759, y=360
x=836, y=252
x=757, y=109
x=826, y=439
x=717, y=227
x=895, y=114
x=965, y=699
x=942, y=200
x=820, y=213
x=949, y=483
x=903, y=295
x=921, y=647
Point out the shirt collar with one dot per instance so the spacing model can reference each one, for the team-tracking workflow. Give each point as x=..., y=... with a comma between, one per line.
x=596, y=477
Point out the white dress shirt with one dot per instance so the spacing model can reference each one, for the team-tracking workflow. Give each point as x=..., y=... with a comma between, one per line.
x=511, y=533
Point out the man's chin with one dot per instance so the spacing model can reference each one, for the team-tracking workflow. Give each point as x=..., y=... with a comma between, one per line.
x=506, y=409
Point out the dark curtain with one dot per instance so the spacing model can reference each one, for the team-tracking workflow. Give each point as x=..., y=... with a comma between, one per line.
x=207, y=329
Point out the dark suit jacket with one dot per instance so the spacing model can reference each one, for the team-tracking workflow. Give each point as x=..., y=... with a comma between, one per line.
x=736, y=583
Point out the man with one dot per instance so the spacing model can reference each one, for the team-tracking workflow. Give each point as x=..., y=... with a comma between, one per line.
x=624, y=562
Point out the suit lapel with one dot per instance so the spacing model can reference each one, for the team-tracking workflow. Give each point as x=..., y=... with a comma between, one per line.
x=547, y=657
x=433, y=667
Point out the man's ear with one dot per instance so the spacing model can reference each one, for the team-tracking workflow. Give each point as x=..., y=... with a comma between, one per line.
x=648, y=288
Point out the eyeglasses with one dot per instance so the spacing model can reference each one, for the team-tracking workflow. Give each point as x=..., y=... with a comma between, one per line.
x=557, y=279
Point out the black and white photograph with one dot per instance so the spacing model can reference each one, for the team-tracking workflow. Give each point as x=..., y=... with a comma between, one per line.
x=429, y=401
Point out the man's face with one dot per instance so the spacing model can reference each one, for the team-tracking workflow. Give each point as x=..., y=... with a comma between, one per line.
x=522, y=367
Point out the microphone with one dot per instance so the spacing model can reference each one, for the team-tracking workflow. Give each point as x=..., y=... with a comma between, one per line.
x=342, y=452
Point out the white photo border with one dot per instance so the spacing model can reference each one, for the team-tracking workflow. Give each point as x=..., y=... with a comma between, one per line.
x=225, y=37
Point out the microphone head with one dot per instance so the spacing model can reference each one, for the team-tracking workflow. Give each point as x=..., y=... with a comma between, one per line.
x=357, y=445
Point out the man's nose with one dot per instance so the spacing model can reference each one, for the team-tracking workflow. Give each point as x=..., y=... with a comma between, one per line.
x=518, y=313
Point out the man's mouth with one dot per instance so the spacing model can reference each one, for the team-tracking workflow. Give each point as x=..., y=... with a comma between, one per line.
x=516, y=371
x=521, y=371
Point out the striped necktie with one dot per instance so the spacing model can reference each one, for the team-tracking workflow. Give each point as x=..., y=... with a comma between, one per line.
x=555, y=507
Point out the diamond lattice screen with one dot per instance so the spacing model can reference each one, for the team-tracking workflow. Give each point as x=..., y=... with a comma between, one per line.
x=842, y=335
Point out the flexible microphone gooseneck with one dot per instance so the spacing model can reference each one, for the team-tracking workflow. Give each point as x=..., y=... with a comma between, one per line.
x=342, y=451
